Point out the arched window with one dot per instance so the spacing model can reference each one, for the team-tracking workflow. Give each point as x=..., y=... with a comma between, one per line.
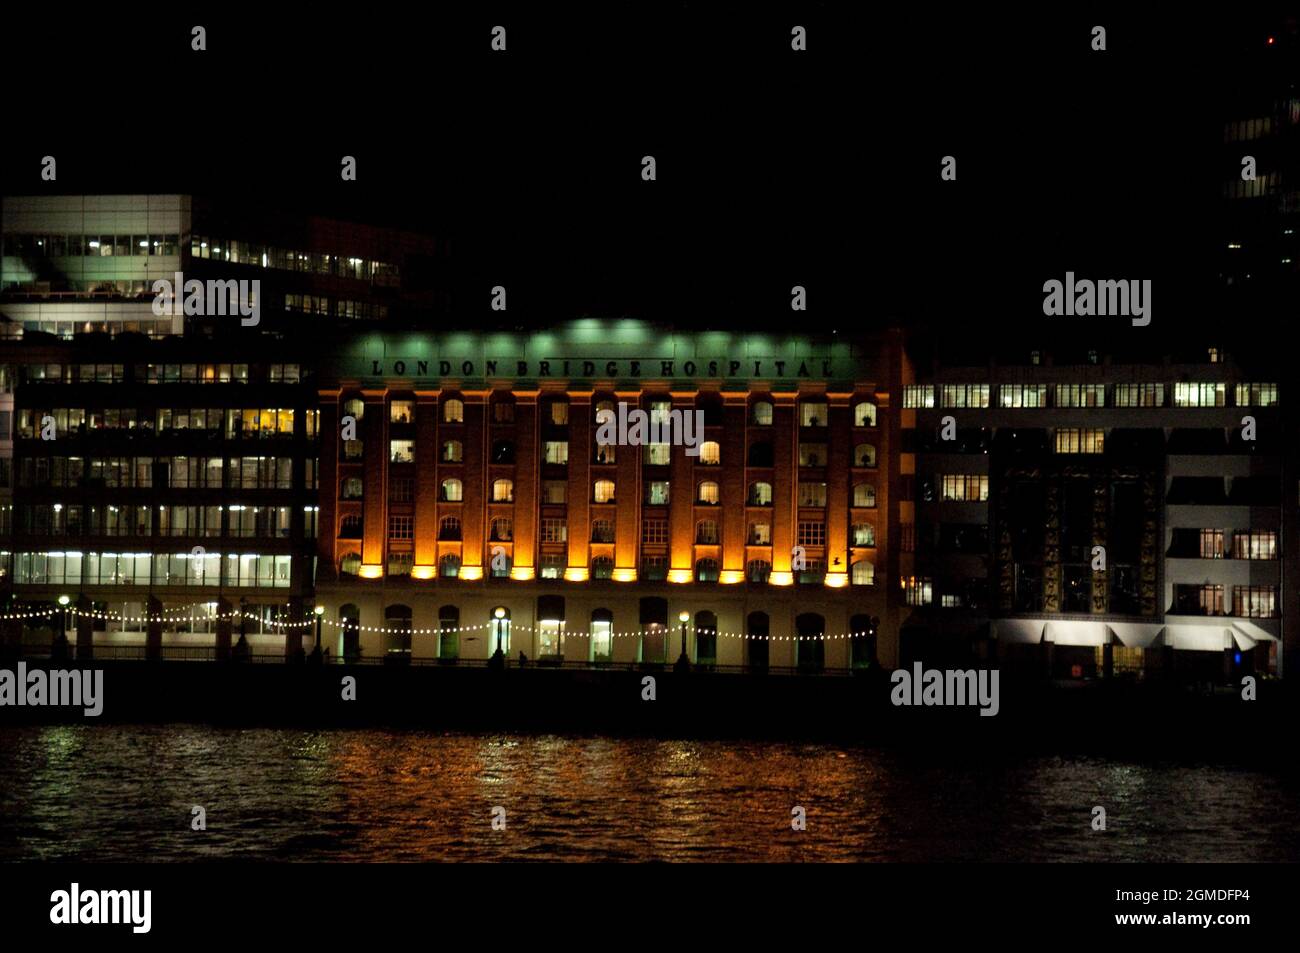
x=451, y=491
x=758, y=570
x=706, y=638
x=500, y=563
x=760, y=494
x=604, y=454
x=354, y=408
x=452, y=451
x=864, y=414
x=762, y=413
x=453, y=411
x=503, y=451
x=503, y=409
x=353, y=488
x=503, y=491
x=864, y=573
x=604, y=491
x=706, y=532
x=605, y=411
x=602, y=531
x=864, y=534
x=602, y=567
x=864, y=494
x=864, y=455
x=448, y=636
x=350, y=564
x=760, y=534
x=449, y=528
x=449, y=566
x=350, y=527
x=710, y=453
x=602, y=635
x=503, y=529
x=706, y=570
x=708, y=493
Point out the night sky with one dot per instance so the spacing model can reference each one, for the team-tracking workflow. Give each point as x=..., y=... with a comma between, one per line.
x=775, y=168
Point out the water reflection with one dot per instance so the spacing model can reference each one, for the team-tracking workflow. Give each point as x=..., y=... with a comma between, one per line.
x=108, y=793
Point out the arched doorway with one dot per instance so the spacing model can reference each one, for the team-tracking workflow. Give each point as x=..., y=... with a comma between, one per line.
x=448, y=634
x=654, y=629
x=349, y=645
x=756, y=649
x=706, y=638
x=862, y=628
x=810, y=649
x=397, y=633
x=602, y=635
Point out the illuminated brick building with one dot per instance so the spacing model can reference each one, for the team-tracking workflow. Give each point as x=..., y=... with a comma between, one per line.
x=476, y=481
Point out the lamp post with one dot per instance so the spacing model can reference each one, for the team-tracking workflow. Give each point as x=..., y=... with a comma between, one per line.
x=499, y=656
x=320, y=614
x=683, y=661
x=62, y=644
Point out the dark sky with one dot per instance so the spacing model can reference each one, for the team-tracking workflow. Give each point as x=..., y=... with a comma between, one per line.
x=774, y=168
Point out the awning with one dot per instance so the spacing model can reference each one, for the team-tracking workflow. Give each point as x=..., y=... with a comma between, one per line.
x=1070, y=632
x=1022, y=631
x=1136, y=635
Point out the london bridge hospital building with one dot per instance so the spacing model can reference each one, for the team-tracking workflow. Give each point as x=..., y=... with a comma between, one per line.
x=595, y=493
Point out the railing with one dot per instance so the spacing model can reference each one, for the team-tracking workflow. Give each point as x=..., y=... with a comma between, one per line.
x=179, y=653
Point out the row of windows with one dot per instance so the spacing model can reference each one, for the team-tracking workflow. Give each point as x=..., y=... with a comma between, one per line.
x=811, y=413
x=654, y=568
x=555, y=492
x=251, y=473
x=233, y=423
x=1194, y=394
x=1253, y=602
x=161, y=569
x=1211, y=544
x=336, y=307
x=556, y=452
x=239, y=520
x=269, y=256
x=158, y=373
x=95, y=246
x=654, y=531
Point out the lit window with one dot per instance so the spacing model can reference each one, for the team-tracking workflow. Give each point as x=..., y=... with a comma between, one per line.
x=710, y=453
x=656, y=493
x=812, y=414
x=604, y=491
x=503, y=491
x=864, y=495
x=453, y=411
x=451, y=491
x=452, y=451
x=1074, y=440
x=812, y=494
x=708, y=493
x=864, y=573
x=401, y=412
x=918, y=396
x=864, y=414
x=760, y=494
x=557, y=452
x=965, y=488
x=763, y=413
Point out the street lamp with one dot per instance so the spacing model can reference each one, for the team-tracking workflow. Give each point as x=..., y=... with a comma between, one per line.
x=683, y=662
x=320, y=614
x=63, y=625
x=499, y=656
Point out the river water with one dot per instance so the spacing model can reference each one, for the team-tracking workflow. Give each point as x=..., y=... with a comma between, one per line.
x=117, y=793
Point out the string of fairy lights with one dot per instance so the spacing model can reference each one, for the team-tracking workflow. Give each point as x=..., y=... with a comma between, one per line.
x=187, y=613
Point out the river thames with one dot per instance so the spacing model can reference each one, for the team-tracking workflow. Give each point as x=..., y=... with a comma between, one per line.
x=126, y=793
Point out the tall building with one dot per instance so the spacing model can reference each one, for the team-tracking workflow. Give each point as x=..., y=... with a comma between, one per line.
x=1096, y=512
